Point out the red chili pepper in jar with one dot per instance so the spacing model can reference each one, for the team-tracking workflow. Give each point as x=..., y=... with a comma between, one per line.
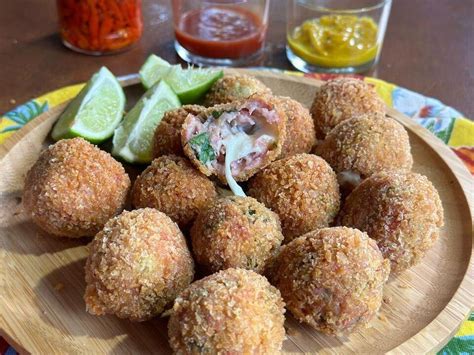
x=99, y=26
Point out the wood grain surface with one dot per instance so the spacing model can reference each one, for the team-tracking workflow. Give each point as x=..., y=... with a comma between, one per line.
x=428, y=48
x=42, y=277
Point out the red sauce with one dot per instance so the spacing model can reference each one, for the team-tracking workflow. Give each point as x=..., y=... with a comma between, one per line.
x=221, y=32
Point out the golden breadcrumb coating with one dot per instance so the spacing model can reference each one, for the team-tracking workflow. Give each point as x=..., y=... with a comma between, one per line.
x=172, y=185
x=331, y=279
x=234, y=88
x=74, y=188
x=167, y=138
x=234, y=311
x=402, y=212
x=341, y=99
x=237, y=232
x=302, y=190
x=300, y=134
x=137, y=266
x=366, y=146
x=273, y=152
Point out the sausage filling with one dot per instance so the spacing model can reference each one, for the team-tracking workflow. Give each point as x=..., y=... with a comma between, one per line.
x=229, y=142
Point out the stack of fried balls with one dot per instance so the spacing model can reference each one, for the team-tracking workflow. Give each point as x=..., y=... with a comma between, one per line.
x=330, y=209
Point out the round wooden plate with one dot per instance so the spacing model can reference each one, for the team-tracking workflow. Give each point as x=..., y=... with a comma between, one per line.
x=42, y=278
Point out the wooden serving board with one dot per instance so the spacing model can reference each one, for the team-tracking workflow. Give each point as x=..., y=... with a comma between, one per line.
x=42, y=277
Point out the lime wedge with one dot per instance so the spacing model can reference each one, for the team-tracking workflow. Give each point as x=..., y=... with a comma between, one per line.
x=192, y=84
x=95, y=112
x=153, y=70
x=189, y=84
x=133, y=139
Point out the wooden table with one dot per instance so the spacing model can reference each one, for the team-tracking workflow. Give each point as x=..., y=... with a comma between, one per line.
x=428, y=48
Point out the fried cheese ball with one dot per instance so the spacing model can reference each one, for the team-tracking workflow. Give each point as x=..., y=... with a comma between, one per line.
x=233, y=141
x=173, y=186
x=137, y=266
x=300, y=134
x=301, y=189
x=341, y=99
x=362, y=146
x=237, y=232
x=331, y=279
x=234, y=88
x=167, y=138
x=402, y=212
x=234, y=311
x=74, y=188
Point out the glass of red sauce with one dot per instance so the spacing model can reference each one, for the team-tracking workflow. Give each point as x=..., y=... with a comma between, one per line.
x=220, y=32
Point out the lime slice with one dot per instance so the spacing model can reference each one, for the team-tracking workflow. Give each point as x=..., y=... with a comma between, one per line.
x=95, y=112
x=189, y=84
x=154, y=69
x=192, y=84
x=133, y=139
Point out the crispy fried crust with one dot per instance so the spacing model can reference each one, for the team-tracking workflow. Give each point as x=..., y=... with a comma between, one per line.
x=167, y=138
x=271, y=155
x=137, y=265
x=341, y=99
x=301, y=189
x=173, y=186
x=402, y=212
x=234, y=311
x=236, y=232
x=234, y=88
x=74, y=188
x=367, y=146
x=300, y=133
x=331, y=279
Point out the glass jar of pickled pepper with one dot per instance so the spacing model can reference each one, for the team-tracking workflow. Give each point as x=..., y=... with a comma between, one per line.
x=99, y=26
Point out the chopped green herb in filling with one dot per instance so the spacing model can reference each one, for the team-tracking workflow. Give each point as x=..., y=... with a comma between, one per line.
x=202, y=147
x=217, y=114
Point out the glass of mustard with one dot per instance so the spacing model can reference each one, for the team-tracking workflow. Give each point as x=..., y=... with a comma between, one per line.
x=336, y=36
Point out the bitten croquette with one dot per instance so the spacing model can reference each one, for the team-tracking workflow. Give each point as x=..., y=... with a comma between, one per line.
x=173, y=186
x=300, y=134
x=237, y=232
x=402, y=212
x=342, y=99
x=301, y=189
x=234, y=311
x=246, y=134
x=331, y=279
x=167, y=137
x=137, y=265
x=74, y=188
x=234, y=88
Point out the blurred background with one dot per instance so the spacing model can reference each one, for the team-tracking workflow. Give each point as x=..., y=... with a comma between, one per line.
x=428, y=48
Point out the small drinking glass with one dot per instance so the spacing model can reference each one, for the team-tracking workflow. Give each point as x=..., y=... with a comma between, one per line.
x=220, y=32
x=336, y=36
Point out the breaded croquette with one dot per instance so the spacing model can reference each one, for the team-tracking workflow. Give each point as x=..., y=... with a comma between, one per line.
x=167, y=138
x=331, y=279
x=137, y=265
x=301, y=189
x=74, y=188
x=173, y=186
x=341, y=99
x=234, y=88
x=234, y=311
x=236, y=232
x=402, y=212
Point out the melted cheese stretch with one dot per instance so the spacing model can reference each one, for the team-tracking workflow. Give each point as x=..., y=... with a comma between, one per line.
x=237, y=146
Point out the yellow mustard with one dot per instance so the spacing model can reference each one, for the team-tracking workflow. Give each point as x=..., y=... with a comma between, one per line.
x=335, y=41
